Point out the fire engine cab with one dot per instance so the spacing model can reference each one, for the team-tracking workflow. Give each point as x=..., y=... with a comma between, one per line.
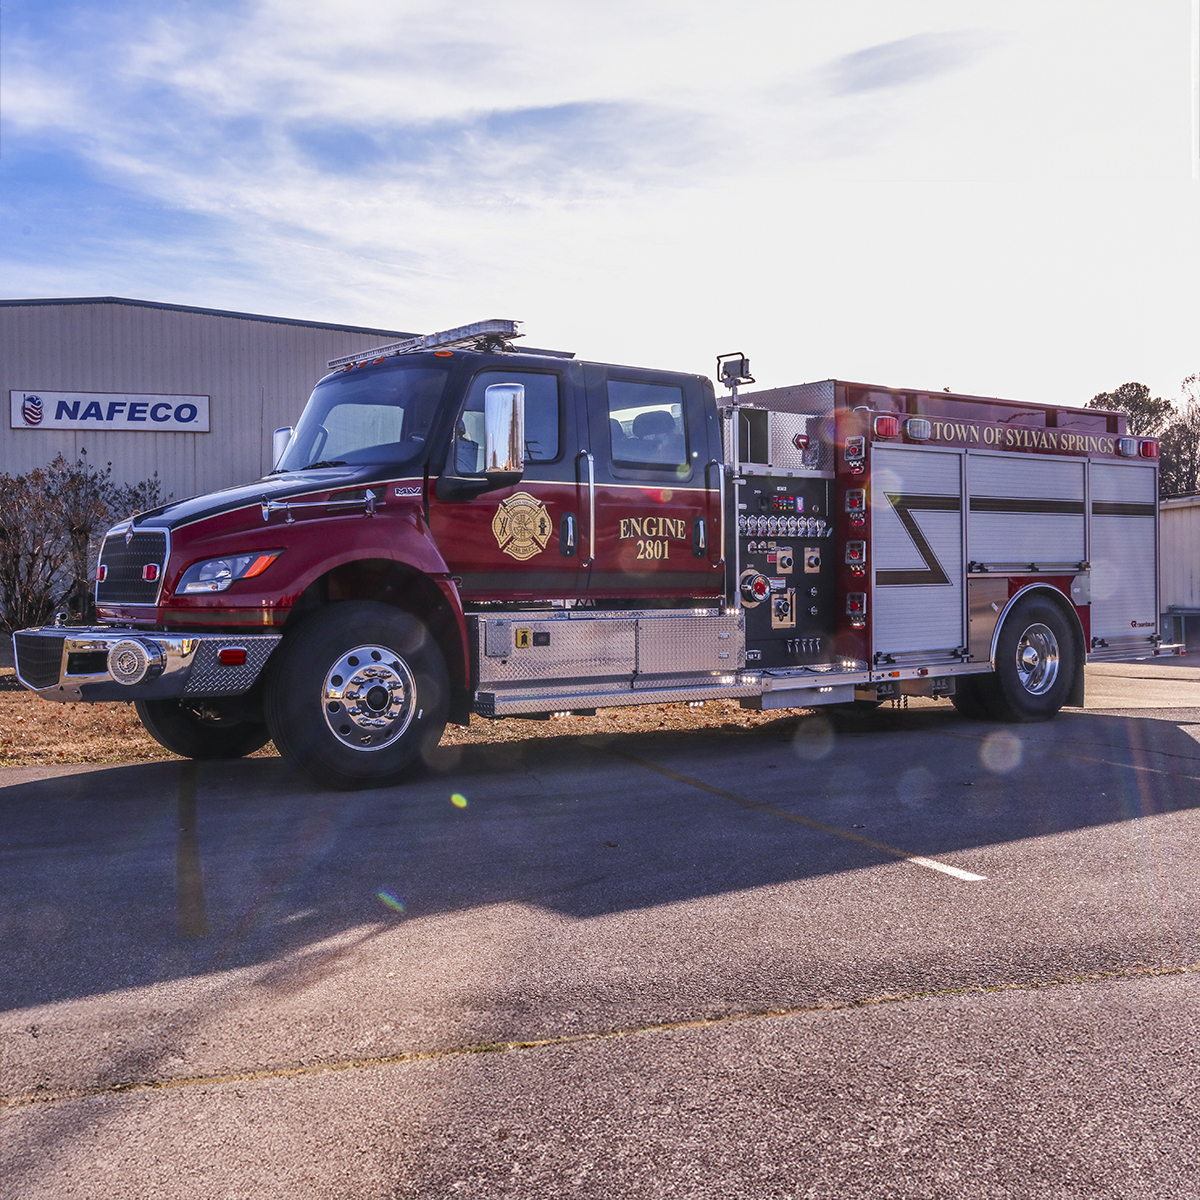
x=459, y=527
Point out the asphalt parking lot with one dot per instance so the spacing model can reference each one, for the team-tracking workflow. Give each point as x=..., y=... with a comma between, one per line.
x=894, y=955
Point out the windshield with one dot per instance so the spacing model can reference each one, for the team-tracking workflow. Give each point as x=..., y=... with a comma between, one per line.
x=370, y=415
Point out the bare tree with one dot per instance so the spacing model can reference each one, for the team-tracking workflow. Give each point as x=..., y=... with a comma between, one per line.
x=1179, y=452
x=51, y=521
x=85, y=494
x=1148, y=416
x=34, y=549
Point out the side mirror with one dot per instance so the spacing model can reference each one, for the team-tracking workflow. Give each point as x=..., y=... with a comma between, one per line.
x=279, y=444
x=504, y=433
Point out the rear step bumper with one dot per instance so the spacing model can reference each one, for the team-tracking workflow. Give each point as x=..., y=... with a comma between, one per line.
x=67, y=663
x=1132, y=650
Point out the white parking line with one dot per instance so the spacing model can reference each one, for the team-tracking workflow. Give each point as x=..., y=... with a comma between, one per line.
x=934, y=865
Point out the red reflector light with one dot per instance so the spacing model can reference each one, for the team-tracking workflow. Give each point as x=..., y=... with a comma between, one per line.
x=232, y=656
x=150, y=572
x=443, y=354
x=800, y=441
x=101, y=573
x=886, y=427
x=1149, y=449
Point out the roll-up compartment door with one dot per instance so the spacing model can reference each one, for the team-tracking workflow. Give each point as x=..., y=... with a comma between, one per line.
x=916, y=550
x=1124, y=556
x=1025, y=510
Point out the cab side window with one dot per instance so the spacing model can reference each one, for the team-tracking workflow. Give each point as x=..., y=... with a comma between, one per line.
x=541, y=419
x=646, y=425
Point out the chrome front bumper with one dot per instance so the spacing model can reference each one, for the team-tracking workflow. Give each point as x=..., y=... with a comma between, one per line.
x=102, y=663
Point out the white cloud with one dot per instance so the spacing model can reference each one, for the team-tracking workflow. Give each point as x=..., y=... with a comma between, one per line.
x=932, y=192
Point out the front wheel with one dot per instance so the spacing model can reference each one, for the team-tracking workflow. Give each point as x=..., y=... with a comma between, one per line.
x=200, y=729
x=359, y=695
x=1036, y=662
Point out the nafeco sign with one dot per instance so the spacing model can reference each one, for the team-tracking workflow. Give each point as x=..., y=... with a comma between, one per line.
x=109, y=410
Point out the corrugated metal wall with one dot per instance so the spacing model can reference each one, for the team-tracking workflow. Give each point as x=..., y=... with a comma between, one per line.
x=1179, y=552
x=258, y=374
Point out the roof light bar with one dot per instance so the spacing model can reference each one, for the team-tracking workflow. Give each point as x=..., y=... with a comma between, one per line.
x=463, y=335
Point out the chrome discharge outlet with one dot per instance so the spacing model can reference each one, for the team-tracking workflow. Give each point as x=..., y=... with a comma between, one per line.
x=131, y=661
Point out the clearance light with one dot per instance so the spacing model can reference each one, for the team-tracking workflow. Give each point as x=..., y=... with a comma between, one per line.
x=1149, y=449
x=919, y=429
x=887, y=427
x=1127, y=447
x=232, y=656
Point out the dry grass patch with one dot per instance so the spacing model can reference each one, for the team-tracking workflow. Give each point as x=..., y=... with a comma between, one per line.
x=36, y=732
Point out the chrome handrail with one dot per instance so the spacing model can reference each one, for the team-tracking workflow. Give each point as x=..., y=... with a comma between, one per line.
x=591, y=471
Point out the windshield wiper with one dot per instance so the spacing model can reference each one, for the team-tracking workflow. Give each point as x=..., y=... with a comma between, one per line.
x=325, y=462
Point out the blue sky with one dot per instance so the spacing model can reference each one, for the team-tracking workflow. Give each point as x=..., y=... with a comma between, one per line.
x=993, y=196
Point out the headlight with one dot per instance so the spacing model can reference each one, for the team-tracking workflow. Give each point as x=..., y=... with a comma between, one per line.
x=216, y=574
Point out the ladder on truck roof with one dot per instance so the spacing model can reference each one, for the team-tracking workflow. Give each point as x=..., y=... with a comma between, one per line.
x=482, y=335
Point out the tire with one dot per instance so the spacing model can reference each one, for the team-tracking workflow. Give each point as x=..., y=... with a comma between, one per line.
x=972, y=696
x=358, y=695
x=198, y=729
x=1036, y=661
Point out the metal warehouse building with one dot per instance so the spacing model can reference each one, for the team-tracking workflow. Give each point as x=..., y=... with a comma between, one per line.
x=192, y=393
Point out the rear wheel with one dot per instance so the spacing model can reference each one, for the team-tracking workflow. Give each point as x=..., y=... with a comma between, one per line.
x=200, y=728
x=971, y=695
x=358, y=696
x=1036, y=663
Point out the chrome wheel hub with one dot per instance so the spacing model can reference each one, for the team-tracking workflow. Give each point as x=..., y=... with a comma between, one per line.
x=1037, y=659
x=369, y=698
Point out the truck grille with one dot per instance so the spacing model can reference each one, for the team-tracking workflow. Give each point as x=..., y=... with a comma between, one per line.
x=124, y=581
x=39, y=659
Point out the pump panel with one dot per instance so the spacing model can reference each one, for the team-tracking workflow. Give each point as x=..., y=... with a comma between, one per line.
x=786, y=570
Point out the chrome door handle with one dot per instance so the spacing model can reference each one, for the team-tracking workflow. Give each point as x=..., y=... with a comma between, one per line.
x=591, y=483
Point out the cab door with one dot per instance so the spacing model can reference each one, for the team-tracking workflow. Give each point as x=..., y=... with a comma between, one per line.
x=519, y=542
x=655, y=479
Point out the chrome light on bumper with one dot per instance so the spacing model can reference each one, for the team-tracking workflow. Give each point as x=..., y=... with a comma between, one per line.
x=131, y=661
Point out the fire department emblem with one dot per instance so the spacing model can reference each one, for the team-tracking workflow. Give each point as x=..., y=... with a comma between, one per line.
x=31, y=410
x=521, y=526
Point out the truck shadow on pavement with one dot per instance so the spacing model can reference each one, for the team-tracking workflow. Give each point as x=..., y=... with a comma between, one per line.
x=126, y=876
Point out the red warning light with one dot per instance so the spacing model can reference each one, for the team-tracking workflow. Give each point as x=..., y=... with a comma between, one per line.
x=887, y=427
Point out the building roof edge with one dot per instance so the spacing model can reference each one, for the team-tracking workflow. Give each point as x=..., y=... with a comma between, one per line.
x=208, y=312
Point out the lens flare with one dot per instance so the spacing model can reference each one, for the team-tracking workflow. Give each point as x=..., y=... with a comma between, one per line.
x=391, y=901
x=1001, y=751
x=458, y=800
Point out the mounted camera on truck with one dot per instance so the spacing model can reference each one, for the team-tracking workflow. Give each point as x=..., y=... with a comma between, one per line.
x=457, y=526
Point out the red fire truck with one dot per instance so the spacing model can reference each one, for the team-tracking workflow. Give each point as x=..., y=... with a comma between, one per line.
x=458, y=527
